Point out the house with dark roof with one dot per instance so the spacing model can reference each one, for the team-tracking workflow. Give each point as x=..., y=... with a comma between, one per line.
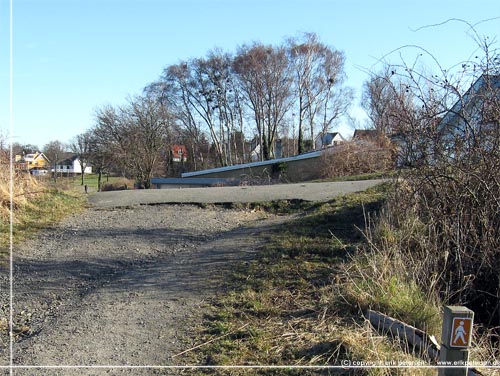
x=70, y=164
x=365, y=135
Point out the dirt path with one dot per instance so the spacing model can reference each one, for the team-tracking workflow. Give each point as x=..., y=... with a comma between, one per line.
x=123, y=286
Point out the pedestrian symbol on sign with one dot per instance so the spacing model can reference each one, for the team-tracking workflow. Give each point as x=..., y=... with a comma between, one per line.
x=461, y=332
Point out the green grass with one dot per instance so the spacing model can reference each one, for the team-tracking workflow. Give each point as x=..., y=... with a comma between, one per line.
x=91, y=180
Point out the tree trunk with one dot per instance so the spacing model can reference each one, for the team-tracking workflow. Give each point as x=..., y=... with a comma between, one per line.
x=99, y=177
x=55, y=173
x=83, y=171
x=300, y=140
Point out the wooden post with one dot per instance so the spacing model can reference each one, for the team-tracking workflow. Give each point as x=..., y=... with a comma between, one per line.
x=456, y=339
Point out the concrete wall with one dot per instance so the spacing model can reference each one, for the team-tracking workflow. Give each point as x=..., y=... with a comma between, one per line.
x=294, y=169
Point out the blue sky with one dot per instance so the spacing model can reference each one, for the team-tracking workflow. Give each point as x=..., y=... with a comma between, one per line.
x=72, y=56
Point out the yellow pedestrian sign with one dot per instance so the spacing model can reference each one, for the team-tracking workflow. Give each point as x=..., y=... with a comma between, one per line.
x=461, y=332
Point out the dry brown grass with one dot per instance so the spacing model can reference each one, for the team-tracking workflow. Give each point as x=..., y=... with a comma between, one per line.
x=353, y=158
x=24, y=189
x=36, y=204
x=118, y=185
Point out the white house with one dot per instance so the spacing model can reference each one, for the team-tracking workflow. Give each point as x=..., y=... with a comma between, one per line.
x=255, y=149
x=71, y=165
x=474, y=111
x=328, y=139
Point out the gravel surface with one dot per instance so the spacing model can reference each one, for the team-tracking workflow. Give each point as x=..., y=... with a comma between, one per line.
x=122, y=286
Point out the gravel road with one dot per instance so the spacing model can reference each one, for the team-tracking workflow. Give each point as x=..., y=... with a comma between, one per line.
x=121, y=284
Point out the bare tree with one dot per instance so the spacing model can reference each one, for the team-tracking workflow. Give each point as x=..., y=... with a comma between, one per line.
x=148, y=122
x=21, y=149
x=377, y=101
x=171, y=91
x=137, y=134
x=81, y=147
x=4, y=150
x=189, y=90
x=265, y=79
x=225, y=96
x=389, y=94
x=318, y=78
x=216, y=95
x=54, y=151
x=100, y=152
x=335, y=99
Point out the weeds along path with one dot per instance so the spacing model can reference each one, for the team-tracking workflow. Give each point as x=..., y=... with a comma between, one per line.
x=123, y=286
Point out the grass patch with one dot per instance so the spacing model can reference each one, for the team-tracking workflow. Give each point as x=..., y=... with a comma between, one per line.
x=283, y=308
x=43, y=211
x=91, y=180
x=371, y=281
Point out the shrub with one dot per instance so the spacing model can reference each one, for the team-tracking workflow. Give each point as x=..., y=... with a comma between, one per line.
x=118, y=185
x=444, y=215
x=449, y=226
x=353, y=158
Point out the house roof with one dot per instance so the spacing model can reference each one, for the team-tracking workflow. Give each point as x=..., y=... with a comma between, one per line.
x=34, y=156
x=365, y=134
x=67, y=158
x=30, y=157
x=328, y=138
x=328, y=134
x=178, y=151
x=472, y=100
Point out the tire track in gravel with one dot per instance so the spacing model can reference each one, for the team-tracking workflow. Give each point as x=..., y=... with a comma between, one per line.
x=123, y=286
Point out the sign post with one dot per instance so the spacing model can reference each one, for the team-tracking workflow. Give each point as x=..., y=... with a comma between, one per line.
x=456, y=339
